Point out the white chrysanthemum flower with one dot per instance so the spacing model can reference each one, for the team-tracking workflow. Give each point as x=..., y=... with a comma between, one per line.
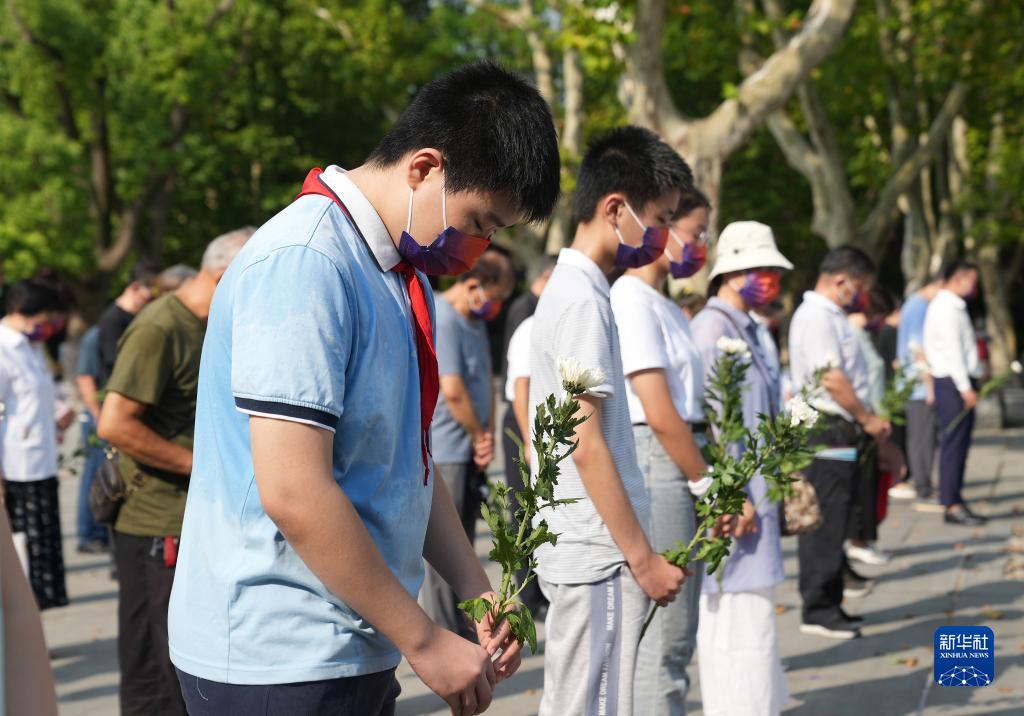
x=1016, y=367
x=921, y=366
x=733, y=346
x=800, y=413
x=831, y=362
x=577, y=379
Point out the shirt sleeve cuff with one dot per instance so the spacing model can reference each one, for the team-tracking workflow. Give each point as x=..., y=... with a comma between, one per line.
x=287, y=411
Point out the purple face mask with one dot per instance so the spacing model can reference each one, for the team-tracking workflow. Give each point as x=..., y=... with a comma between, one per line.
x=654, y=242
x=694, y=256
x=450, y=254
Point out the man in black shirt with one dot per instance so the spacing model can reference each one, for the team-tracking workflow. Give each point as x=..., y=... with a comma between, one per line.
x=119, y=314
x=526, y=303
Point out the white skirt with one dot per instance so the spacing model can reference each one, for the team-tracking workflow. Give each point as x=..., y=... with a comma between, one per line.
x=738, y=655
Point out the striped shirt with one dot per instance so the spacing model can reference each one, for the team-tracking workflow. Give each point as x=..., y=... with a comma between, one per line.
x=574, y=318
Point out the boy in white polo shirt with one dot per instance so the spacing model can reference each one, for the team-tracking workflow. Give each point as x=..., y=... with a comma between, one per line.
x=313, y=499
x=602, y=573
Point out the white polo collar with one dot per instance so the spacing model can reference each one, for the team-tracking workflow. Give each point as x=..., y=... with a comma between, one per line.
x=824, y=301
x=953, y=298
x=577, y=259
x=11, y=337
x=365, y=217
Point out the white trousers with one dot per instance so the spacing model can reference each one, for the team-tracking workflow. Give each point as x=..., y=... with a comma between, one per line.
x=738, y=655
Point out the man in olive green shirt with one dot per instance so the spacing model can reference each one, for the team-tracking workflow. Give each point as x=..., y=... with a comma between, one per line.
x=149, y=415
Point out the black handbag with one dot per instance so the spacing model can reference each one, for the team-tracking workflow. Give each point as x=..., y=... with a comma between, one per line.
x=106, y=494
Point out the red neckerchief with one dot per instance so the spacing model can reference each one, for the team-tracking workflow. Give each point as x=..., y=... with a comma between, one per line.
x=425, y=354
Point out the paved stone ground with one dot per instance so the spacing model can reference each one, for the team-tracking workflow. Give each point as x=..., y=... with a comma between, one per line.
x=939, y=575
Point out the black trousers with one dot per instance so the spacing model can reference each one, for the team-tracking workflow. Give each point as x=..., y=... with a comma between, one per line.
x=531, y=596
x=863, y=523
x=820, y=553
x=954, y=441
x=368, y=695
x=149, y=686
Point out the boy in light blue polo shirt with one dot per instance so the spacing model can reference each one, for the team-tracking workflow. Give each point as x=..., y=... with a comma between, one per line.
x=313, y=500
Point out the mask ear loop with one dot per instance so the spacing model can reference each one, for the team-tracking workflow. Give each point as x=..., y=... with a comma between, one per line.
x=444, y=207
x=635, y=217
x=408, y=218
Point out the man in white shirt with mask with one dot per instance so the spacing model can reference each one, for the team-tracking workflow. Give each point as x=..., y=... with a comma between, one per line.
x=951, y=349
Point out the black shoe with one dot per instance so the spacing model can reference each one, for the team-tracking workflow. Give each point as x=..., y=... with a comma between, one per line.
x=96, y=546
x=964, y=506
x=962, y=517
x=852, y=618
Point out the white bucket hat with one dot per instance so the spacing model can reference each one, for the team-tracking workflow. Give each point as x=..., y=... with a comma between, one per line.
x=745, y=245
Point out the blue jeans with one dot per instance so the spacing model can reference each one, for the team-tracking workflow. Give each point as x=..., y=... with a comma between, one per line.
x=88, y=529
x=661, y=683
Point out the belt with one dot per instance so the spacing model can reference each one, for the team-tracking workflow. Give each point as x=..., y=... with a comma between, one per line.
x=701, y=427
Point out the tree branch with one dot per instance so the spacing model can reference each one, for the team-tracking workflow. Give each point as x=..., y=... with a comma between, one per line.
x=885, y=210
x=766, y=90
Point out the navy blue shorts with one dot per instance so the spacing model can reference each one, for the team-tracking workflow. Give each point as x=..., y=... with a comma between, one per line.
x=369, y=695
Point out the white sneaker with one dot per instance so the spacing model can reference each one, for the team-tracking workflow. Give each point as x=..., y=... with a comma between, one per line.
x=903, y=491
x=867, y=555
x=831, y=632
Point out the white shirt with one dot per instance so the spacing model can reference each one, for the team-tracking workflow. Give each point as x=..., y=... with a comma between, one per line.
x=517, y=363
x=820, y=333
x=28, y=430
x=654, y=333
x=950, y=346
x=574, y=319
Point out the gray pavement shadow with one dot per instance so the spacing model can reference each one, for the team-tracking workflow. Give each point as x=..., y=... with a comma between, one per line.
x=890, y=695
x=935, y=566
x=916, y=635
x=96, y=692
x=532, y=679
x=96, y=597
x=88, y=566
x=918, y=549
x=85, y=659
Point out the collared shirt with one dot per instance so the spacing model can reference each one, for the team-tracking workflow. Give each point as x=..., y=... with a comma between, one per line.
x=518, y=359
x=756, y=559
x=950, y=345
x=910, y=339
x=820, y=334
x=654, y=333
x=462, y=350
x=308, y=325
x=28, y=423
x=574, y=319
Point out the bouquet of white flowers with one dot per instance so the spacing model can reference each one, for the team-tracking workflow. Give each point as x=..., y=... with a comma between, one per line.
x=777, y=449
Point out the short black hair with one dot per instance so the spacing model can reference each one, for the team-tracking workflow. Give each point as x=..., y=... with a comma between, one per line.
x=690, y=200
x=31, y=296
x=849, y=260
x=631, y=160
x=955, y=266
x=145, y=272
x=494, y=130
x=492, y=269
x=880, y=302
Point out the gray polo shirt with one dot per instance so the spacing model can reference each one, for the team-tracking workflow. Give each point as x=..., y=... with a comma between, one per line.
x=574, y=319
x=462, y=350
x=819, y=333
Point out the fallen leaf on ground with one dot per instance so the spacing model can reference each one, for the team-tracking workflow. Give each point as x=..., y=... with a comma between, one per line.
x=910, y=662
x=780, y=609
